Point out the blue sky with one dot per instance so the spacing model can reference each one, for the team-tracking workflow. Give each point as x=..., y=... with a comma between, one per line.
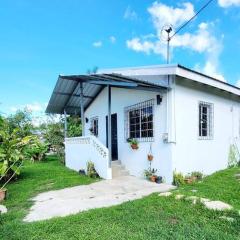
x=41, y=39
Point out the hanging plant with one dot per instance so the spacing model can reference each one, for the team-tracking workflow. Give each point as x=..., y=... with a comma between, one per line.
x=133, y=143
x=150, y=156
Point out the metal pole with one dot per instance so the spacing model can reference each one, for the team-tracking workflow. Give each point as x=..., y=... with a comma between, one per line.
x=109, y=127
x=168, y=45
x=65, y=124
x=82, y=109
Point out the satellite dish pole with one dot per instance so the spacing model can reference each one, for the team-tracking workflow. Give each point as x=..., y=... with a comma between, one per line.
x=168, y=31
x=165, y=36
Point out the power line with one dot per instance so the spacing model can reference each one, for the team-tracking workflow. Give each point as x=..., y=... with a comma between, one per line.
x=186, y=23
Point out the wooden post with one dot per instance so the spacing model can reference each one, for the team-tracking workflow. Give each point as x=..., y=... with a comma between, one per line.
x=82, y=109
x=109, y=126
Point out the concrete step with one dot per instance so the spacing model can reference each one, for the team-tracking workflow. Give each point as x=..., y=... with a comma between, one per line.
x=118, y=169
x=116, y=162
x=121, y=173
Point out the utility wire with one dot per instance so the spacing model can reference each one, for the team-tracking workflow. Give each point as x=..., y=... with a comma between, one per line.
x=186, y=23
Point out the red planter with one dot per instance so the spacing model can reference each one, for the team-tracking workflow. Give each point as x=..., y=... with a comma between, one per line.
x=134, y=146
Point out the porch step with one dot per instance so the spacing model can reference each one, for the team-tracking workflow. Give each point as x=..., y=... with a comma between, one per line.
x=118, y=169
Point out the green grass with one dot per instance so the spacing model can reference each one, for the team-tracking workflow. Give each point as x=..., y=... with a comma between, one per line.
x=152, y=217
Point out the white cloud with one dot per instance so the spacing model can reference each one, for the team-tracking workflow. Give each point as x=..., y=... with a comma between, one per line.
x=31, y=107
x=202, y=40
x=162, y=14
x=97, y=44
x=228, y=3
x=130, y=14
x=112, y=39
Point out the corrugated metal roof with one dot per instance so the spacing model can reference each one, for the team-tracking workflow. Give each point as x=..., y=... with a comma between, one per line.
x=66, y=94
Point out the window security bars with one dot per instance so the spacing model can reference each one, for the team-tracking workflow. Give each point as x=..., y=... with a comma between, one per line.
x=94, y=126
x=205, y=120
x=139, y=121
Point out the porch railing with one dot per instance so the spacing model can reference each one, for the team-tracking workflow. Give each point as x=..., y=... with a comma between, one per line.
x=80, y=150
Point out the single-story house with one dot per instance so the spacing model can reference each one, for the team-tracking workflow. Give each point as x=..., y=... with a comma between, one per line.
x=185, y=119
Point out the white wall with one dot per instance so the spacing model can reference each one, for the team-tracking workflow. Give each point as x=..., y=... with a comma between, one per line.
x=190, y=153
x=80, y=150
x=134, y=161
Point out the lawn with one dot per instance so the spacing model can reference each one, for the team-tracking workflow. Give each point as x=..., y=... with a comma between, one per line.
x=152, y=217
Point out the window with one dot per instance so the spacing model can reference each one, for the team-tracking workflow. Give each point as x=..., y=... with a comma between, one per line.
x=205, y=120
x=139, y=121
x=94, y=126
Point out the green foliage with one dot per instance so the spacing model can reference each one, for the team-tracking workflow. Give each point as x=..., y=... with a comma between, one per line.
x=53, y=133
x=74, y=126
x=22, y=121
x=151, y=217
x=132, y=141
x=149, y=172
x=11, y=150
x=197, y=174
x=36, y=149
x=233, y=156
x=178, y=179
x=91, y=171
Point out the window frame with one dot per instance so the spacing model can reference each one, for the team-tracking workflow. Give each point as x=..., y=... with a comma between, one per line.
x=209, y=120
x=140, y=108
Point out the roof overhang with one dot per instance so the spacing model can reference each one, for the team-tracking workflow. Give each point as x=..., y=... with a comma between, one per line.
x=66, y=94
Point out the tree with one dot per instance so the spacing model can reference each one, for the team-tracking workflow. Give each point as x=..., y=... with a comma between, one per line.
x=21, y=120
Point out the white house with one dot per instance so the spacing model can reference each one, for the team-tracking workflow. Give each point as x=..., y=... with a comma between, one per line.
x=187, y=120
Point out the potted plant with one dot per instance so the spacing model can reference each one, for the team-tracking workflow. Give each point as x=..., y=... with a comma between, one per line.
x=147, y=173
x=189, y=179
x=153, y=176
x=159, y=179
x=150, y=157
x=133, y=143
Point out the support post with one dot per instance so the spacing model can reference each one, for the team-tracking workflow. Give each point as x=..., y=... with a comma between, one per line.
x=82, y=109
x=65, y=124
x=109, y=127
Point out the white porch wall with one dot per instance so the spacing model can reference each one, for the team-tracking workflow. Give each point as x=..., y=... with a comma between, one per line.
x=134, y=160
x=192, y=154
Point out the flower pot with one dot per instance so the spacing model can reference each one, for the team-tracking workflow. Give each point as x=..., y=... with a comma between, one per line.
x=3, y=194
x=153, y=178
x=188, y=180
x=150, y=157
x=134, y=146
x=159, y=179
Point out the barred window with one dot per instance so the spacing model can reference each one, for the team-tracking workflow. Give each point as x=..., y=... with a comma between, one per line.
x=94, y=126
x=205, y=120
x=139, y=121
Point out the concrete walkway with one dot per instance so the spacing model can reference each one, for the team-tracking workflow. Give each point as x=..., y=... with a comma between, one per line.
x=81, y=198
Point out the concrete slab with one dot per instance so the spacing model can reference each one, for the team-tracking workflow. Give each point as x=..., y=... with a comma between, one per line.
x=97, y=195
x=217, y=205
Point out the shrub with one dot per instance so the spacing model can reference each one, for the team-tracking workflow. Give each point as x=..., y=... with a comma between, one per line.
x=233, y=156
x=91, y=171
x=178, y=179
x=36, y=150
x=11, y=151
x=198, y=175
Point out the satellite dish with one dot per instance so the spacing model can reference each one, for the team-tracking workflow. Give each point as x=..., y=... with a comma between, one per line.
x=166, y=31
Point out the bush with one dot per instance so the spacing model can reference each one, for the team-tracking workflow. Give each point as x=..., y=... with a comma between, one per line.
x=11, y=151
x=178, y=179
x=198, y=175
x=91, y=171
x=36, y=150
